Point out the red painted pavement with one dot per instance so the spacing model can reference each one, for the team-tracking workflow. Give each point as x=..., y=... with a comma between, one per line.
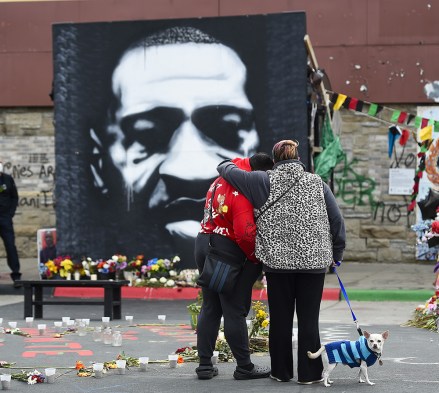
x=166, y=293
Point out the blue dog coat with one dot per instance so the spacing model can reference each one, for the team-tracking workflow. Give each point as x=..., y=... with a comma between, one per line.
x=347, y=352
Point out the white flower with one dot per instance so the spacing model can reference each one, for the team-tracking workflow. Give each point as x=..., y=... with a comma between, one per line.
x=89, y=259
x=170, y=283
x=162, y=280
x=172, y=273
x=114, y=258
x=176, y=259
x=153, y=280
x=31, y=381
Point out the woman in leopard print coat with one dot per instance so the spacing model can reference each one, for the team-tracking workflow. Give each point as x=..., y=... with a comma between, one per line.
x=300, y=233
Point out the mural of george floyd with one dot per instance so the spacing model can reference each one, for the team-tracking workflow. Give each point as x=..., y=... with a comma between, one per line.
x=144, y=112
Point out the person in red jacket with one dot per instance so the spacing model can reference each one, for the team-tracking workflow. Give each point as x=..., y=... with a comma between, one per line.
x=228, y=223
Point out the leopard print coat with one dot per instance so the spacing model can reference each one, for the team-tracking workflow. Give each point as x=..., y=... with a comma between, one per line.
x=293, y=232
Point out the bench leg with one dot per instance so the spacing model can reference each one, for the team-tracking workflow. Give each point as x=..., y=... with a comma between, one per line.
x=108, y=303
x=117, y=307
x=38, y=298
x=28, y=302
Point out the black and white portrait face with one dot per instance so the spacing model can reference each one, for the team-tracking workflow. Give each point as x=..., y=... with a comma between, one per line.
x=145, y=111
x=179, y=109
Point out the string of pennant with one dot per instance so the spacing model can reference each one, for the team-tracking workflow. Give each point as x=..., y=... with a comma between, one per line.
x=396, y=117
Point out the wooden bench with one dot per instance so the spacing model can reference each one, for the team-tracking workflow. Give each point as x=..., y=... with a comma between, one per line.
x=33, y=295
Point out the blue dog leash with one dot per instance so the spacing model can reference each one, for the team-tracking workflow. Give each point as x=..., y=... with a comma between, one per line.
x=345, y=295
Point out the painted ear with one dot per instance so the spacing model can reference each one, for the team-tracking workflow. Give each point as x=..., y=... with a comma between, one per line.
x=385, y=334
x=366, y=334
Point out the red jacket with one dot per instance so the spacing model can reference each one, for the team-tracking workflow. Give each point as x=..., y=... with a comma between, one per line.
x=232, y=213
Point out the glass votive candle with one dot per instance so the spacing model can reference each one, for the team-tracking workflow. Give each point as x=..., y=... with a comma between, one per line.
x=2, y=334
x=129, y=319
x=215, y=357
x=93, y=277
x=41, y=328
x=71, y=323
x=12, y=325
x=82, y=329
x=58, y=326
x=161, y=318
x=98, y=369
x=121, y=364
x=1, y=321
x=97, y=334
x=86, y=321
x=173, y=360
x=143, y=362
x=105, y=321
x=50, y=375
x=6, y=381
x=65, y=320
x=29, y=321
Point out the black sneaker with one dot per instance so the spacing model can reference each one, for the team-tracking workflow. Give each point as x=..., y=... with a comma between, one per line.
x=255, y=373
x=206, y=372
x=17, y=285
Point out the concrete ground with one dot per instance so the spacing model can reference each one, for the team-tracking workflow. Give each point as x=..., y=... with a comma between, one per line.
x=410, y=355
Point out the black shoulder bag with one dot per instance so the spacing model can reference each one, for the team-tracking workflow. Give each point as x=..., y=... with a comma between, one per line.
x=221, y=269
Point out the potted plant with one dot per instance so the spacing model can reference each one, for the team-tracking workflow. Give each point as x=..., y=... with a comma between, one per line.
x=194, y=310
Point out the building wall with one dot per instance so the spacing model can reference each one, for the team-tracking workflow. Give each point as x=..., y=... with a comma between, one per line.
x=378, y=227
x=390, y=47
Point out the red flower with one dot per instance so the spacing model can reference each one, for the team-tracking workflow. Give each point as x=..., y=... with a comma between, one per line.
x=435, y=227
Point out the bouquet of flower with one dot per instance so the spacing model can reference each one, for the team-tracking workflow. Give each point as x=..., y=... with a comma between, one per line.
x=160, y=267
x=187, y=278
x=260, y=320
x=89, y=266
x=61, y=265
x=131, y=266
x=106, y=266
x=31, y=377
x=426, y=315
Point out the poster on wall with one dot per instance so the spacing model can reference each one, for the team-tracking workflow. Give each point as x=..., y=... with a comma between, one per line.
x=46, y=244
x=428, y=195
x=144, y=112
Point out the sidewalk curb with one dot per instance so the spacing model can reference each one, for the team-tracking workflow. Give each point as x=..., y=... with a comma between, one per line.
x=380, y=295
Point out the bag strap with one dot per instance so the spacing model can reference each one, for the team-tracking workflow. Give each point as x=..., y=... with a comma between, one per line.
x=280, y=197
x=211, y=200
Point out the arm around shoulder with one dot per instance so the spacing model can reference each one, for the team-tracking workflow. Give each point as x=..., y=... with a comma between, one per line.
x=336, y=223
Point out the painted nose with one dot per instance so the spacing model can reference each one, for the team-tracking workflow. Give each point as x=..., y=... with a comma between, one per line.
x=190, y=155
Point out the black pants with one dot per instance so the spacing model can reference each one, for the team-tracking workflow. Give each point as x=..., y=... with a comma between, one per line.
x=8, y=236
x=289, y=292
x=234, y=306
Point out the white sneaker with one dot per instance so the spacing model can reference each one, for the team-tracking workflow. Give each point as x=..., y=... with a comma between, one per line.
x=279, y=380
x=310, y=382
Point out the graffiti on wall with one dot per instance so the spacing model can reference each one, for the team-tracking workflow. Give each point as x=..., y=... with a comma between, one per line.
x=37, y=172
x=355, y=189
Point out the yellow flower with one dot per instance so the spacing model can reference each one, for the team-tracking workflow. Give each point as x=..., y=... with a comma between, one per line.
x=265, y=323
x=155, y=267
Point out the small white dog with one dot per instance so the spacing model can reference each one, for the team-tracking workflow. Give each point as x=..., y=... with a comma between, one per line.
x=362, y=353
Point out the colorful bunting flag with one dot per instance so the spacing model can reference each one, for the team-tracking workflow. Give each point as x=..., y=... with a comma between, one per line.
x=372, y=110
x=410, y=117
x=402, y=117
x=395, y=116
x=404, y=137
x=424, y=122
x=340, y=100
x=426, y=133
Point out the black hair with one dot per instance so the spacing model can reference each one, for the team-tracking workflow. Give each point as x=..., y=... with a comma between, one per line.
x=174, y=35
x=261, y=162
